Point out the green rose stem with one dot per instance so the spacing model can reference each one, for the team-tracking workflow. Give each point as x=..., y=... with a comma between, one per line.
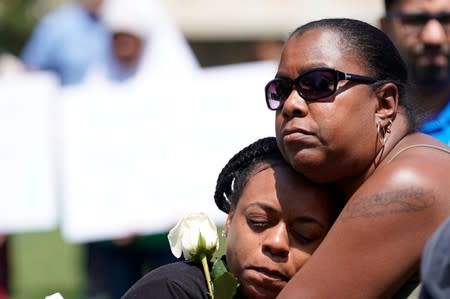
x=207, y=275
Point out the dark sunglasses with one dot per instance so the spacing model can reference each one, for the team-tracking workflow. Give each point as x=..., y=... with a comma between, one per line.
x=313, y=85
x=421, y=18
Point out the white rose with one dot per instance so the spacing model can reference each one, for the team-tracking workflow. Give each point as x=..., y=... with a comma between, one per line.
x=194, y=235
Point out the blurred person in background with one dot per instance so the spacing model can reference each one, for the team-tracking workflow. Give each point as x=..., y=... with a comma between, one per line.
x=114, y=265
x=68, y=41
x=421, y=32
x=435, y=265
x=144, y=43
x=129, y=26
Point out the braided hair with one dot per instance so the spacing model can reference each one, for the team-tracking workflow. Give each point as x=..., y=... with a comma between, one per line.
x=236, y=173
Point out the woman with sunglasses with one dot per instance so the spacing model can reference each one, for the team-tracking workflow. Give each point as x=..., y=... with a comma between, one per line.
x=342, y=119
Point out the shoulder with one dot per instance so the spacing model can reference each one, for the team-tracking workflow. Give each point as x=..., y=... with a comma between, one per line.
x=411, y=180
x=410, y=188
x=176, y=280
x=63, y=16
x=421, y=163
x=418, y=160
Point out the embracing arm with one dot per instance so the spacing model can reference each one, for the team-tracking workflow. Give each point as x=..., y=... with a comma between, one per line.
x=375, y=245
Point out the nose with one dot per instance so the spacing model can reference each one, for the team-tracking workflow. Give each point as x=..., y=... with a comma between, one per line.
x=294, y=105
x=276, y=242
x=433, y=33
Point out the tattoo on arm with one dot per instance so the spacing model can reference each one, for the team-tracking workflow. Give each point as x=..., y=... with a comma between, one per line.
x=401, y=201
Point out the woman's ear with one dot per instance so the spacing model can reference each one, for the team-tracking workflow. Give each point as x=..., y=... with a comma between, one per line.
x=388, y=97
x=227, y=226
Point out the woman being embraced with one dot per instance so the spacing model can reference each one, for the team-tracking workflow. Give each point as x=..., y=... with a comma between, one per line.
x=276, y=219
x=342, y=119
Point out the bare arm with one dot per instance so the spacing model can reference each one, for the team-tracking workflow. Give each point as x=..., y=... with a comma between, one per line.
x=375, y=245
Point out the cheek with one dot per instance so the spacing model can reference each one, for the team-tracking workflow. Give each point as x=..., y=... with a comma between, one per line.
x=300, y=257
x=242, y=245
x=337, y=122
x=236, y=253
x=279, y=122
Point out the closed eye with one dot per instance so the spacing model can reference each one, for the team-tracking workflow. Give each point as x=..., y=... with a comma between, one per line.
x=258, y=225
x=303, y=239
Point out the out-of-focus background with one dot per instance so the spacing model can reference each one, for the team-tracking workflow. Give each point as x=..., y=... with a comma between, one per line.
x=116, y=117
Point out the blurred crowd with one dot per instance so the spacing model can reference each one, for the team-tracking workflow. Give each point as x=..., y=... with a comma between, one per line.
x=109, y=42
x=77, y=42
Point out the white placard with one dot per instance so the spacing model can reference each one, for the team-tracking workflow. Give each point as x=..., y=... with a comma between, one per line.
x=137, y=159
x=231, y=114
x=27, y=188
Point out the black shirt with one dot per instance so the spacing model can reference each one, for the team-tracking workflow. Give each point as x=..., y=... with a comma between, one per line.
x=177, y=280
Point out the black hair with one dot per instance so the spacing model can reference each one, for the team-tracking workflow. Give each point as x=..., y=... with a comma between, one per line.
x=234, y=176
x=388, y=4
x=373, y=46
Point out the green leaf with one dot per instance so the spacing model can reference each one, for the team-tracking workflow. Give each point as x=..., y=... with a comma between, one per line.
x=225, y=286
x=218, y=269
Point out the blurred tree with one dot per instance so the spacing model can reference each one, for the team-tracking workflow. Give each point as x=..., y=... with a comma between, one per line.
x=17, y=19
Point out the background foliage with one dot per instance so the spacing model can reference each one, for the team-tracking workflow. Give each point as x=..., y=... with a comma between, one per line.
x=16, y=23
x=17, y=19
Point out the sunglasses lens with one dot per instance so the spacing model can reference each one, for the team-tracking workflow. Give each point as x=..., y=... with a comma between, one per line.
x=316, y=84
x=277, y=91
x=415, y=19
x=444, y=18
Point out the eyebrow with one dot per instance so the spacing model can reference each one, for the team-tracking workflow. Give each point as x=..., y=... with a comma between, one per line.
x=303, y=219
x=263, y=206
x=308, y=219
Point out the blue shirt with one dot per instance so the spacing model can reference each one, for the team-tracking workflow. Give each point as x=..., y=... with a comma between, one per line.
x=67, y=41
x=439, y=125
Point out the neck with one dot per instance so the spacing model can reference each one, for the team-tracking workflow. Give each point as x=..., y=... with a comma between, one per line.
x=399, y=130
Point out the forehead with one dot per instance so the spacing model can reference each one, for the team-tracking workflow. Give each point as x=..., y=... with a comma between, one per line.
x=318, y=47
x=283, y=189
x=432, y=6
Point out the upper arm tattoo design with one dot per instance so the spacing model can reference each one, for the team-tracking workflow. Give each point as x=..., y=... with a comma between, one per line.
x=412, y=199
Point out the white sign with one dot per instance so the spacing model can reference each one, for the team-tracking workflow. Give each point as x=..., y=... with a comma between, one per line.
x=27, y=189
x=137, y=159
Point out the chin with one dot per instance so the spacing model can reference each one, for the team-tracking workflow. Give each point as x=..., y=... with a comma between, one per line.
x=257, y=293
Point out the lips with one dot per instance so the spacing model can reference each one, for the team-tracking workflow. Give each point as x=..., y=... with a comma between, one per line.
x=293, y=130
x=270, y=274
x=293, y=134
x=432, y=59
x=432, y=55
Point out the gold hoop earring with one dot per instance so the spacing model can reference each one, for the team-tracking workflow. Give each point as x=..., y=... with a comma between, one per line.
x=381, y=135
x=384, y=133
